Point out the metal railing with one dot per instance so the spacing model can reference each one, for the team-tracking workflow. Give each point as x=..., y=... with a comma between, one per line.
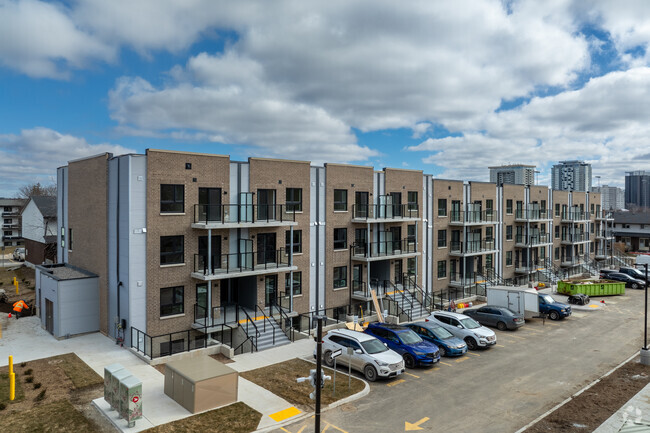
x=575, y=237
x=306, y=322
x=605, y=215
x=242, y=213
x=469, y=247
x=384, y=248
x=533, y=214
x=473, y=216
x=167, y=344
x=282, y=318
x=575, y=215
x=385, y=211
x=247, y=324
x=424, y=298
x=533, y=239
x=241, y=262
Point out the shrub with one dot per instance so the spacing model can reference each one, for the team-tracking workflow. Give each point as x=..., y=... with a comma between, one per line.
x=4, y=375
x=28, y=372
x=41, y=395
x=37, y=385
x=2, y=406
x=23, y=364
x=29, y=379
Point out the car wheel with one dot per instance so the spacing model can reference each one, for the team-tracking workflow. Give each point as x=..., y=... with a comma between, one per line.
x=554, y=315
x=442, y=350
x=501, y=326
x=409, y=361
x=370, y=373
x=635, y=286
x=471, y=343
x=327, y=358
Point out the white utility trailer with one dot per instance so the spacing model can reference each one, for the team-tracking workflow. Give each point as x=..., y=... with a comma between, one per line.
x=522, y=300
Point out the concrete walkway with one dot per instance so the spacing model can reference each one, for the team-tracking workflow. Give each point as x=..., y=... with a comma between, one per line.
x=26, y=341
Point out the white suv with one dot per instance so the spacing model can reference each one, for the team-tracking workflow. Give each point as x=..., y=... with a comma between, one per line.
x=465, y=328
x=369, y=355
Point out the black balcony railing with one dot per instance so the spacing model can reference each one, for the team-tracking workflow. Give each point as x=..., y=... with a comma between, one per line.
x=575, y=215
x=385, y=211
x=533, y=239
x=242, y=213
x=167, y=344
x=470, y=247
x=473, y=216
x=384, y=248
x=532, y=214
x=241, y=262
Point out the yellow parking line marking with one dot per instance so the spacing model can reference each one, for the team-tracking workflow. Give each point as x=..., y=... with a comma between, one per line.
x=514, y=336
x=462, y=359
x=395, y=382
x=328, y=425
x=444, y=363
x=299, y=431
x=475, y=354
x=412, y=375
x=284, y=414
x=499, y=345
x=431, y=369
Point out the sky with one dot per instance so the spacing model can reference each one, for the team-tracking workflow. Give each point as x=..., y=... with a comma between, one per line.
x=449, y=88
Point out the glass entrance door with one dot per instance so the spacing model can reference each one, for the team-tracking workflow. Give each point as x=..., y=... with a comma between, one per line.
x=201, y=301
x=210, y=204
x=265, y=204
x=270, y=290
x=266, y=248
x=357, y=278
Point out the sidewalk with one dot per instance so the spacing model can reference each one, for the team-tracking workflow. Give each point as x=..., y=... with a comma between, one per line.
x=26, y=341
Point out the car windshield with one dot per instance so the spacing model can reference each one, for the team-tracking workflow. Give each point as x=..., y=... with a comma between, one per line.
x=374, y=346
x=441, y=333
x=637, y=273
x=469, y=323
x=409, y=337
x=548, y=299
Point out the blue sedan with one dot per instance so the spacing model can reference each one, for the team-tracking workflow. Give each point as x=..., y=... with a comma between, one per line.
x=414, y=350
x=446, y=342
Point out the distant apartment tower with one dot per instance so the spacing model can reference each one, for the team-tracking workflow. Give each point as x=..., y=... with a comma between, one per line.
x=571, y=176
x=517, y=174
x=612, y=197
x=637, y=188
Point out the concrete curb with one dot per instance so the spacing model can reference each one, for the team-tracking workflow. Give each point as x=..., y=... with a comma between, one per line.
x=556, y=407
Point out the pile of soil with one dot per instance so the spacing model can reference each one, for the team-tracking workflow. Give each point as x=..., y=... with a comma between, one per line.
x=590, y=409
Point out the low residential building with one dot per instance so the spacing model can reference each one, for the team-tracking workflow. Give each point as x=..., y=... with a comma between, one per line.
x=39, y=229
x=632, y=229
x=11, y=225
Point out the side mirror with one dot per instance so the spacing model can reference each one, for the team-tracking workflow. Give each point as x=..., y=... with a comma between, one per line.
x=459, y=326
x=359, y=351
x=385, y=344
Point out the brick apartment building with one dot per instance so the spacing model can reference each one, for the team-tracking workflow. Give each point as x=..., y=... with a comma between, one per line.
x=187, y=242
x=11, y=222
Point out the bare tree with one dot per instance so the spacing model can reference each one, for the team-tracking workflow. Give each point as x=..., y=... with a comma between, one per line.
x=36, y=189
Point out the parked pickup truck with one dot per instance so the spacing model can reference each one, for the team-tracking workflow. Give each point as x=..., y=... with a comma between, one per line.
x=555, y=310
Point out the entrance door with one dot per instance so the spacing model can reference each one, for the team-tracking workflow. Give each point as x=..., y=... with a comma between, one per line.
x=397, y=239
x=270, y=290
x=49, y=316
x=398, y=272
x=266, y=248
x=361, y=204
x=361, y=242
x=216, y=252
x=265, y=204
x=397, y=203
x=201, y=301
x=455, y=210
x=210, y=204
x=357, y=278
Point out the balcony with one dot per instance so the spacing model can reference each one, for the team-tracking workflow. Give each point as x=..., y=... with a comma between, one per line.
x=373, y=251
x=531, y=215
x=231, y=216
x=11, y=237
x=573, y=216
x=605, y=216
x=237, y=265
x=602, y=254
x=523, y=241
x=10, y=226
x=473, y=218
x=472, y=248
x=574, y=238
x=378, y=213
x=604, y=234
x=571, y=262
x=529, y=268
x=11, y=213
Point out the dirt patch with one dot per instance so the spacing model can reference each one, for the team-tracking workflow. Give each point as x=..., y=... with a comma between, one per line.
x=235, y=418
x=26, y=289
x=594, y=406
x=221, y=358
x=280, y=379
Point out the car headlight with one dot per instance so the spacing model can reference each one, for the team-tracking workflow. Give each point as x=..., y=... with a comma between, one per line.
x=419, y=353
x=563, y=310
x=381, y=363
x=479, y=336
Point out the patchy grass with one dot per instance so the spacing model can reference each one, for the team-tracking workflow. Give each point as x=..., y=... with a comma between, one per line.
x=78, y=371
x=235, y=418
x=59, y=416
x=280, y=379
x=4, y=389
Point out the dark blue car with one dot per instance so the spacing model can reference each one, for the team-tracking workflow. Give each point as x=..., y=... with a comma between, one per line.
x=407, y=343
x=445, y=340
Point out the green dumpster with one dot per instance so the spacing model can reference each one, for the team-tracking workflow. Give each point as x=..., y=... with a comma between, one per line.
x=591, y=288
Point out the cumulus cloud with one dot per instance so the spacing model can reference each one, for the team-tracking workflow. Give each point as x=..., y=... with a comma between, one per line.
x=34, y=154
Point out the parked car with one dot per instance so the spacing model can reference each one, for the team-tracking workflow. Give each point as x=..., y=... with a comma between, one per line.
x=634, y=273
x=19, y=254
x=445, y=340
x=493, y=315
x=369, y=356
x=407, y=343
x=605, y=272
x=555, y=310
x=630, y=282
x=465, y=328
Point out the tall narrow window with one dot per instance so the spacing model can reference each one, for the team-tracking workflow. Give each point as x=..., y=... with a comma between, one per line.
x=442, y=207
x=509, y=206
x=340, y=200
x=412, y=200
x=297, y=241
x=340, y=238
x=70, y=239
x=442, y=269
x=297, y=283
x=294, y=199
x=340, y=277
x=171, y=301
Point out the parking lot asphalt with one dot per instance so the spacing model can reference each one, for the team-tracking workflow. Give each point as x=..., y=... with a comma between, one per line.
x=503, y=388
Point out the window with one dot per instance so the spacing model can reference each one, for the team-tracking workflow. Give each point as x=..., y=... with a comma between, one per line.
x=171, y=301
x=442, y=207
x=489, y=233
x=70, y=239
x=7, y=209
x=8, y=221
x=557, y=253
x=297, y=283
x=412, y=198
x=591, y=247
x=509, y=206
x=8, y=233
x=294, y=199
x=410, y=233
x=172, y=198
x=442, y=269
x=442, y=238
x=508, y=233
x=557, y=232
x=489, y=204
x=340, y=199
x=340, y=277
x=593, y=226
x=410, y=265
x=171, y=250
x=508, y=258
x=297, y=241
x=340, y=239
x=557, y=209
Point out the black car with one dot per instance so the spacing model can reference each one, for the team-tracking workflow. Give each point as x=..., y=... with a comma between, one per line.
x=630, y=282
x=634, y=273
x=605, y=272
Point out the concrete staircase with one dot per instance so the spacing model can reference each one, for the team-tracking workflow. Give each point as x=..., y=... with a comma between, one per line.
x=266, y=337
x=408, y=303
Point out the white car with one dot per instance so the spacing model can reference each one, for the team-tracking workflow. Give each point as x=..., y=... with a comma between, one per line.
x=368, y=355
x=465, y=328
x=19, y=254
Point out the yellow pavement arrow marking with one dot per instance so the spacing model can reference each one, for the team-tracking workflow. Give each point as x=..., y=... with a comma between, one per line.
x=328, y=425
x=416, y=425
x=412, y=375
x=396, y=382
